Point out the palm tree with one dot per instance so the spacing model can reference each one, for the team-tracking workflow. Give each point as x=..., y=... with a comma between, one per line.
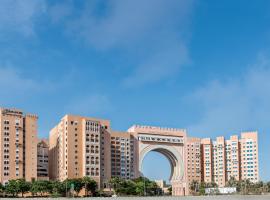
x=232, y=182
x=193, y=186
x=268, y=186
x=2, y=189
x=245, y=186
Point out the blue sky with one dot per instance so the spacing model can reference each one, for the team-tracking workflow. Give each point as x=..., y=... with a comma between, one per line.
x=203, y=65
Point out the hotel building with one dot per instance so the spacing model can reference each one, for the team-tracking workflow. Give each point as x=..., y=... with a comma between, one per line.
x=207, y=160
x=83, y=146
x=78, y=147
x=122, y=155
x=237, y=158
x=233, y=154
x=18, y=145
x=249, y=151
x=194, y=163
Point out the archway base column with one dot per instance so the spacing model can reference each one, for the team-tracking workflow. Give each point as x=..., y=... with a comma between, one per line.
x=179, y=188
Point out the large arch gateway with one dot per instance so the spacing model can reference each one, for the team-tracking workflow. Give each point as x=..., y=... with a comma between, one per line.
x=169, y=142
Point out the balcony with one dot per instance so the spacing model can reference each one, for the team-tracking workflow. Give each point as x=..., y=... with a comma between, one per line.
x=18, y=127
x=18, y=161
x=18, y=144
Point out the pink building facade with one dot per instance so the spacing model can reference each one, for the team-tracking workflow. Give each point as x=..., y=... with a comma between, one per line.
x=82, y=146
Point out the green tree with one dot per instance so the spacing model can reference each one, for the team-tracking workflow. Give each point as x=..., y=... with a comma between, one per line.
x=23, y=186
x=140, y=186
x=202, y=188
x=170, y=190
x=77, y=184
x=146, y=187
x=128, y=187
x=268, y=186
x=115, y=183
x=245, y=186
x=89, y=185
x=12, y=188
x=152, y=188
x=2, y=189
x=57, y=188
x=232, y=182
x=40, y=187
x=193, y=186
x=211, y=185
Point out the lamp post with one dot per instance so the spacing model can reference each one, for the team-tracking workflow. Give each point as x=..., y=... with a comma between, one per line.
x=144, y=189
x=66, y=189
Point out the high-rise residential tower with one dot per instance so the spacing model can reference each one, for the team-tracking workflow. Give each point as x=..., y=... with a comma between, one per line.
x=207, y=160
x=234, y=158
x=78, y=147
x=122, y=155
x=18, y=145
x=249, y=151
x=84, y=146
x=194, y=165
x=233, y=163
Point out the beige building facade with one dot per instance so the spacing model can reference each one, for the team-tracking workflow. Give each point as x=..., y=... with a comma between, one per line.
x=171, y=143
x=194, y=161
x=18, y=145
x=249, y=156
x=82, y=146
x=207, y=160
x=233, y=158
x=78, y=147
x=122, y=155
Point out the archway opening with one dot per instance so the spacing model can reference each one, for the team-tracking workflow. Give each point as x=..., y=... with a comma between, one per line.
x=156, y=166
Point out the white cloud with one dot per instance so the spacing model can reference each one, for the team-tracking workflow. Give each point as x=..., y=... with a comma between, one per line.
x=11, y=80
x=152, y=34
x=159, y=66
x=15, y=86
x=20, y=16
x=125, y=22
x=240, y=103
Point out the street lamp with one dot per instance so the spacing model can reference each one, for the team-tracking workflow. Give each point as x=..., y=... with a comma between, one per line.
x=144, y=189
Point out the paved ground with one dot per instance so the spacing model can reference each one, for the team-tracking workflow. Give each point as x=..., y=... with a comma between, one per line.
x=232, y=197
x=235, y=197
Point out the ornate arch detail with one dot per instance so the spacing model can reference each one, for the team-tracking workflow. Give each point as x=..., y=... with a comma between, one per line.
x=171, y=153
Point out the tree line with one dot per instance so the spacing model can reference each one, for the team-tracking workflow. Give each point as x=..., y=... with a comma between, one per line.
x=136, y=187
x=242, y=187
x=20, y=187
x=73, y=187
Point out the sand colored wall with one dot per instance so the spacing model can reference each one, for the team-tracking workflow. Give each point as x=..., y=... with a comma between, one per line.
x=194, y=161
x=82, y=146
x=31, y=147
x=249, y=156
x=18, y=145
x=207, y=160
